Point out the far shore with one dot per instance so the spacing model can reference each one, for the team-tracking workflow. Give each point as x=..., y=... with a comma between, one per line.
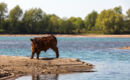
x=68, y=35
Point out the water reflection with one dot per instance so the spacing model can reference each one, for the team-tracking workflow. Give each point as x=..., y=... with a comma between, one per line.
x=40, y=77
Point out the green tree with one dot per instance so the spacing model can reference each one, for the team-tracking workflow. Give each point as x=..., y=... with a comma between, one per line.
x=128, y=14
x=78, y=24
x=39, y=20
x=14, y=16
x=90, y=20
x=45, y=22
x=118, y=9
x=66, y=26
x=3, y=11
x=62, y=25
x=53, y=23
x=126, y=26
x=109, y=22
x=69, y=27
x=31, y=18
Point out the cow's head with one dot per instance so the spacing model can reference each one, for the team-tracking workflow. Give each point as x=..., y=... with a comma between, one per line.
x=34, y=43
x=34, y=40
x=31, y=40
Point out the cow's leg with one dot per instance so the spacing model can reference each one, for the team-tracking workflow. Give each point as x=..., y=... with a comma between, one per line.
x=38, y=53
x=33, y=52
x=55, y=49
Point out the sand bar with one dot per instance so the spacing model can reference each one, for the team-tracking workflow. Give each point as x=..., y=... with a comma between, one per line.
x=16, y=66
x=126, y=47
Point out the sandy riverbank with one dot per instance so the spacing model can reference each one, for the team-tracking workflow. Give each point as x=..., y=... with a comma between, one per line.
x=126, y=47
x=12, y=66
x=65, y=35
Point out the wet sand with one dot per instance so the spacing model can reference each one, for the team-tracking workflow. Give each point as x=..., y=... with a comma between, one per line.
x=13, y=66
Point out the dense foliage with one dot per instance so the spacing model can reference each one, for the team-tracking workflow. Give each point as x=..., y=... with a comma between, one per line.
x=35, y=21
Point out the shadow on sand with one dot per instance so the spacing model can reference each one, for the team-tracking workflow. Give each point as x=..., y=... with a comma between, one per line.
x=46, y=58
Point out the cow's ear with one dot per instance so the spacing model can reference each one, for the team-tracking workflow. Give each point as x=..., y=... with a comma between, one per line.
x=31, y=40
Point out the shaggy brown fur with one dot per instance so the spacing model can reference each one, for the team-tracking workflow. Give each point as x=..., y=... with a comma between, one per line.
x=43, y=44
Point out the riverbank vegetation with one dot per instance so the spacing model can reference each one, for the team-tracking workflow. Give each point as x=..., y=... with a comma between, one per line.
x=36, y=21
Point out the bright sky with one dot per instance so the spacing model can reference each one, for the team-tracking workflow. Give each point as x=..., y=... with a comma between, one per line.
x=68, y=8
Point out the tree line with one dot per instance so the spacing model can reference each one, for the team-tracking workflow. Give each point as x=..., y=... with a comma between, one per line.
x=35, y=21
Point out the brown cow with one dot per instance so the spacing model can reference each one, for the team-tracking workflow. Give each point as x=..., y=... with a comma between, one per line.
x=43, y=44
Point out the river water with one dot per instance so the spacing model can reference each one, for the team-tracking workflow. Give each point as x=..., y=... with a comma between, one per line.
x=110, y=63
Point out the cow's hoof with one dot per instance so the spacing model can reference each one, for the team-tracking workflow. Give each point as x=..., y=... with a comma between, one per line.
x=37, y=58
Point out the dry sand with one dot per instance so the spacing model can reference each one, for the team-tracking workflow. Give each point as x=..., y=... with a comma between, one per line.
x=68, y=35
x=127, y=47
x=13, y=66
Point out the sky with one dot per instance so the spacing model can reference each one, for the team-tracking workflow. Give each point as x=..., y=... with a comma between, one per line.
x=68, y=8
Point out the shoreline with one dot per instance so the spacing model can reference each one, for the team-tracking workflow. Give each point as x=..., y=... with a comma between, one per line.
x=66, y=35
